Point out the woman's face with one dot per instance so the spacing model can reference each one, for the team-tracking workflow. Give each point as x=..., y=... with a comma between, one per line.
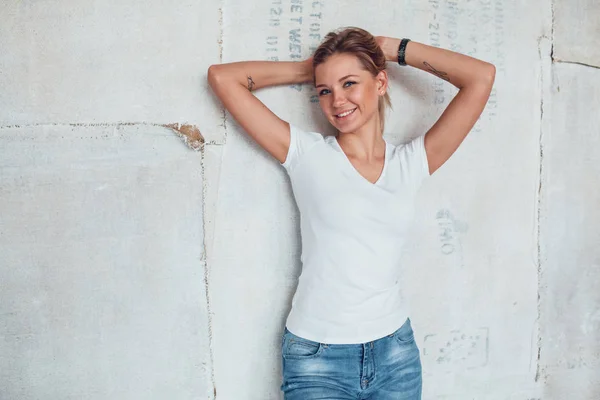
x=348, y=95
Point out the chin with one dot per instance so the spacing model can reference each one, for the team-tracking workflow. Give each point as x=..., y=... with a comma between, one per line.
x=349, y=127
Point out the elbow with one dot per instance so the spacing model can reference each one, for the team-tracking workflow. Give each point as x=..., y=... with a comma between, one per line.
x=485, y=77
x=213, y=75
x=490, y=75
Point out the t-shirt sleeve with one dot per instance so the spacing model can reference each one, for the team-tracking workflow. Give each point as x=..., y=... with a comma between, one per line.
x=413, y=159
x=300, y=142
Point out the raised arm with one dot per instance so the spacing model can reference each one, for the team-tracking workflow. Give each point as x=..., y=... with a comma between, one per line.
x=233, y=84
x=474, y=78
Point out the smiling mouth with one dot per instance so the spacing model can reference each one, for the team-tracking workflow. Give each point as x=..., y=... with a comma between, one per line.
x=345, y=114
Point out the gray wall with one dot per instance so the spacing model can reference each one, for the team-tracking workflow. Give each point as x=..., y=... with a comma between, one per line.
x=149, y=248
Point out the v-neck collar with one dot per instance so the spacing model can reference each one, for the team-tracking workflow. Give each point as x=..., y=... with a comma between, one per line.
x=385, y=162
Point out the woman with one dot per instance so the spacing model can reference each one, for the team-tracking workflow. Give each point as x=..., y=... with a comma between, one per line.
x=348, y=335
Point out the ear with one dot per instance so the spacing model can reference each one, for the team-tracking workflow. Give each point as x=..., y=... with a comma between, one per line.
x=381, y=81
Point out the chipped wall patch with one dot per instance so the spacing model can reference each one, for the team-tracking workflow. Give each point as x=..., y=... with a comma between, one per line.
x=189, y=133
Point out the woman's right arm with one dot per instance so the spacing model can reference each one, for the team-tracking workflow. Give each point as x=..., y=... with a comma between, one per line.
x=233, y=84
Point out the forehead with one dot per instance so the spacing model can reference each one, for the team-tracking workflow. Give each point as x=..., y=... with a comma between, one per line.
x=337, y=66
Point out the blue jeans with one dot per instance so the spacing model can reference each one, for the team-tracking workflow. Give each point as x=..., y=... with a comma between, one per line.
x=384, y=369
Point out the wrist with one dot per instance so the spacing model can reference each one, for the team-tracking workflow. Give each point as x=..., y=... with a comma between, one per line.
x=391, y=49
x=306, y=70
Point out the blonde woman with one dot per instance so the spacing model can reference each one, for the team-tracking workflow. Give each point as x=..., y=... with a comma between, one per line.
x=348, y=334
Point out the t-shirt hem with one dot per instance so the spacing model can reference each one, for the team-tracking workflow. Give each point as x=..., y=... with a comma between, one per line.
x=291, y=149
x=382, y=328
x=424, y=162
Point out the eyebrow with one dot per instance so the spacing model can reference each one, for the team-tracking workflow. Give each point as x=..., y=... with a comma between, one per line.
x=341, y=79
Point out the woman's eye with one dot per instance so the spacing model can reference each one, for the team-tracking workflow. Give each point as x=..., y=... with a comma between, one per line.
x=324, y=91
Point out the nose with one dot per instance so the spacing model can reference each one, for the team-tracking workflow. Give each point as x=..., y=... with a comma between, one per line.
x=338, y=98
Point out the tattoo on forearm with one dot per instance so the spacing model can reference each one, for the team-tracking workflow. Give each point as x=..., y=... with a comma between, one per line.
x=434, y=71
x=250, y=83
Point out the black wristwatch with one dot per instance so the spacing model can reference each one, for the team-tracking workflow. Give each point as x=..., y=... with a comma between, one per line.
x=402, y=51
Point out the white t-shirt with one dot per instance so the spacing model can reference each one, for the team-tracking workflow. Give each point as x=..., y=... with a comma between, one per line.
x=353, y=233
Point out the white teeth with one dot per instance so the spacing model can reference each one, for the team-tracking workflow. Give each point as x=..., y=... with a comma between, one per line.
x=346, y=113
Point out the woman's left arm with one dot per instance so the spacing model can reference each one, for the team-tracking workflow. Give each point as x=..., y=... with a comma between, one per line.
x=474, y=78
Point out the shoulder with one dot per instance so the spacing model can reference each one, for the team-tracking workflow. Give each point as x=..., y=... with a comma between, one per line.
x=301, y=142
x=305, y=136
x=411, y=151
x=411, y=158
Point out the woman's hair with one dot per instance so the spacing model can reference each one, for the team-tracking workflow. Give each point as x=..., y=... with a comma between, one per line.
x=362, y=44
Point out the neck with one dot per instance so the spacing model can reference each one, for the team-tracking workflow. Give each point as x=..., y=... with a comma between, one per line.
x=365, y=143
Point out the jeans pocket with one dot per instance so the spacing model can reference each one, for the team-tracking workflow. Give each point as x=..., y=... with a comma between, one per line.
x=405, y=334
x=295, y=347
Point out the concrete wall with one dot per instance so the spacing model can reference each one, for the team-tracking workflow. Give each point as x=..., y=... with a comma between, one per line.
x=149, y=248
